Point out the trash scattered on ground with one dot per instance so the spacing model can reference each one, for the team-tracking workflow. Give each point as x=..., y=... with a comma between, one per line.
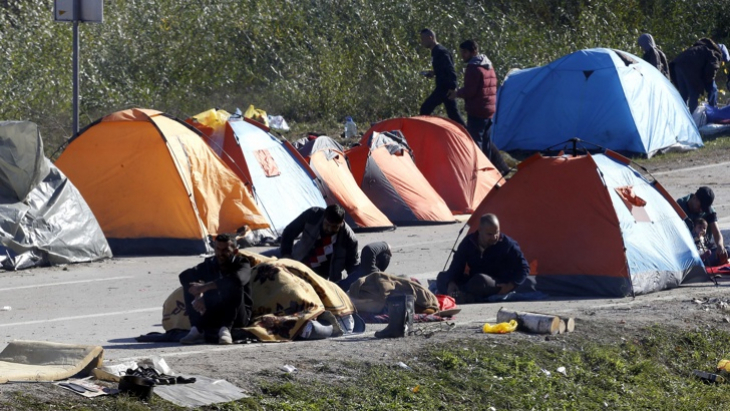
x=500, y=328
x=537, y=323
x=205, y=391
x=416, y=389
x=289, y=369
x=403, y=365
x=562, y=371
x=709, y=377
x=6, y=308
x=85, y=387
x=546, y=372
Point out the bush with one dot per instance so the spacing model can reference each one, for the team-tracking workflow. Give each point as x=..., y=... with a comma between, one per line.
x=312, y=61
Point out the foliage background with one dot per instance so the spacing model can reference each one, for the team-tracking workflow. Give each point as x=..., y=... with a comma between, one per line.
x=314, y=61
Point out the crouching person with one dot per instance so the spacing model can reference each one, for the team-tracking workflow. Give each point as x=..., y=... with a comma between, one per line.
x=217, y=293
x=495, y=264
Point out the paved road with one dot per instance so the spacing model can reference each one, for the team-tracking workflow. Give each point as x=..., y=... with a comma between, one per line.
x=110, y=302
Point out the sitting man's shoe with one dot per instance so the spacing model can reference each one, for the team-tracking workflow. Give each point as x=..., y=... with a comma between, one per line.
x=193, y=337
x=224, y=336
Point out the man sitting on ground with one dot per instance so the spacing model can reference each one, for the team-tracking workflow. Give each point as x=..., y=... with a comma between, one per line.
x=217, y=293
x=486, y=263
x=699, y=205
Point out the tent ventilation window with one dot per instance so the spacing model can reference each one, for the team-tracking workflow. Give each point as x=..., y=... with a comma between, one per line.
x=634, y=203
x=625, y=58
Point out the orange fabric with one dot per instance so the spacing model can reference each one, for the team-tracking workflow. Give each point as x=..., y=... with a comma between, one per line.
x=634, y=203
x=267, y=163
x=139, y=186
x=403, y=175
x=405, y=178
x=562, y=216
x=223, y=202
x=447, y=156
x=342, y=188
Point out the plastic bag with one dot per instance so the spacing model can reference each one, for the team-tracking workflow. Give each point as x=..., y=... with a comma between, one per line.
x=257, y=114
x=278, y=123
x=501, y=328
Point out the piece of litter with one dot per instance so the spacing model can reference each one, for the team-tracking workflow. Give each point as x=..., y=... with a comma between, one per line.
x=7, y=308
x=416, y=388
x=562, y=371
x=403, y=365
x=696, y=301
x=288, y=369
x=491, y=409
x=546, y=372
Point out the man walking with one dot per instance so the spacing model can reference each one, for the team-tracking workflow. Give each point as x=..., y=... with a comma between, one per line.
x=480, y=98
x=443, y=71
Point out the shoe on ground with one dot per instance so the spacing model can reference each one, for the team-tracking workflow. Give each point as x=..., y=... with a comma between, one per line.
x=224, y=336
x=193, y=337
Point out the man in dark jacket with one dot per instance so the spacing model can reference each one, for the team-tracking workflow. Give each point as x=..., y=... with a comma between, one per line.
x=217, y=293
x=328, y=245
x=443, y=70
x=486, y=263
x=693, y=71
x=653, y=55
x=699, y=205
x=480, y=100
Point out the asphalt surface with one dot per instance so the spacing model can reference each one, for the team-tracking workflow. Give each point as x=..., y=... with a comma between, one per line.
x=109, y=303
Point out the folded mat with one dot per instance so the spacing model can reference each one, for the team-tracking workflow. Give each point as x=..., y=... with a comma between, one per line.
x=46, y=361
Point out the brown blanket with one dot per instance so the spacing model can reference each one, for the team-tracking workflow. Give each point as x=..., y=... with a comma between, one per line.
x=369, y=293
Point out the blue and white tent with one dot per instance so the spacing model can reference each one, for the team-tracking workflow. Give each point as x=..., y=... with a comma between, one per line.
x=603, y=96
x=290, y=189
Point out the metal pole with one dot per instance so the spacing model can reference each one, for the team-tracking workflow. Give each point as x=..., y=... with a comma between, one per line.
x=76, y=68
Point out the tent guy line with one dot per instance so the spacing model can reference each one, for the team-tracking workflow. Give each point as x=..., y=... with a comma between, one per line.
x=24, y=287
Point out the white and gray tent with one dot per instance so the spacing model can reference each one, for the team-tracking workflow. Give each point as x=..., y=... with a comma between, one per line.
x=43, y=218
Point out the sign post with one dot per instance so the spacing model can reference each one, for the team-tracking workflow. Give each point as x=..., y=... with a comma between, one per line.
x=76, y=11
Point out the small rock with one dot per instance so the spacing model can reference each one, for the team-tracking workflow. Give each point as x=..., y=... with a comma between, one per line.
x=696, y=301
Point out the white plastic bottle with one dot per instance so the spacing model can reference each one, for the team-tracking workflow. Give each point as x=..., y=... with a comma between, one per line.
x=350, y=128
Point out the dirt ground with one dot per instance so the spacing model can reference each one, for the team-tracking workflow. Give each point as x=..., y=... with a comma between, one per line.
x=108, y=303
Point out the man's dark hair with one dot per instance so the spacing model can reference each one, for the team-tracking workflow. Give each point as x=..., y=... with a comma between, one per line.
x=223, y=238
x=699, y=220
x=334, y=213
x=469, y=45
x=429, y=32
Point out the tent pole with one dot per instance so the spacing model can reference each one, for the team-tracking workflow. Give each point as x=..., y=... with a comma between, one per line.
x=454, y=246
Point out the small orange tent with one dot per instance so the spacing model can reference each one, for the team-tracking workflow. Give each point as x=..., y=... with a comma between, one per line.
x=329, y=163
x=448, y=157
x=387, y=175
x=154, y=185
x=591, y=225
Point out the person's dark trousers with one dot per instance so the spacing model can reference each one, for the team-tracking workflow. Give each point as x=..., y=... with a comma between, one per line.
x=223, y=308
x=374, y=253
x=689, y=95
x=439, y=96
x=479, y=130
x=712, y=95
x=477, y=288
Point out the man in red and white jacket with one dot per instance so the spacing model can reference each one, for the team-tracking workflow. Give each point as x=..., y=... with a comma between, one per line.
x=480, y=98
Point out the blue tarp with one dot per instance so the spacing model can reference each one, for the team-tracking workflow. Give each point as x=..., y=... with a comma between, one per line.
x=610, y=98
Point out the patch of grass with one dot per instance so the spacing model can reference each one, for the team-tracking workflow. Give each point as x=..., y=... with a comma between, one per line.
x=649, y=370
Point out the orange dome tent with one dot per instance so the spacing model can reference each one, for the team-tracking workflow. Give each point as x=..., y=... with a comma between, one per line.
x=154, y=185
x=591, y=225
x=383, y=167
x=448, y=157
x=329, y=163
